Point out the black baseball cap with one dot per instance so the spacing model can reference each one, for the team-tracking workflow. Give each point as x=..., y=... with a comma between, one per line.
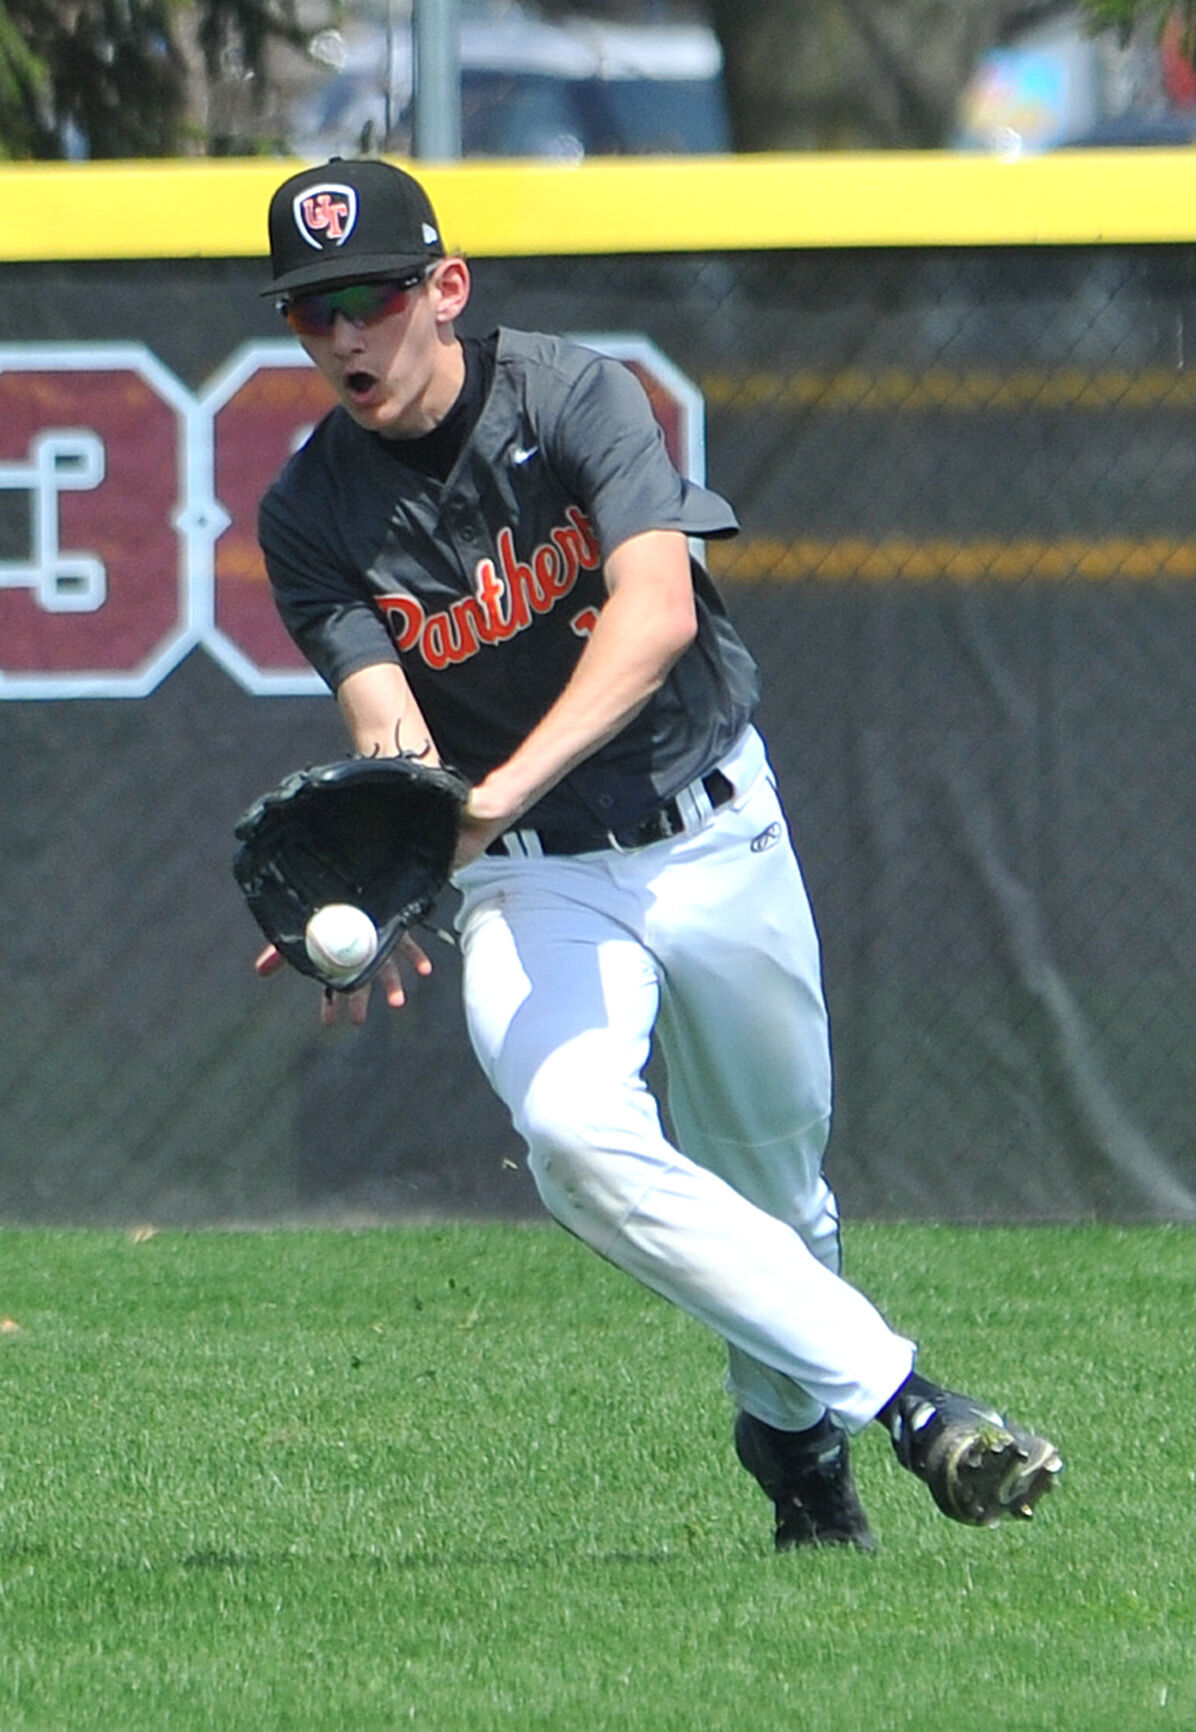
x=349, y=221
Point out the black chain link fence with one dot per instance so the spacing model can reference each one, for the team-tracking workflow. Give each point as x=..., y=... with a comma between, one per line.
x=967, y=569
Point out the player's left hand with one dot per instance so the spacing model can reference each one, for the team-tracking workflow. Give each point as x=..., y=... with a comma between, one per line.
x=356, y=1004
x=376, y=833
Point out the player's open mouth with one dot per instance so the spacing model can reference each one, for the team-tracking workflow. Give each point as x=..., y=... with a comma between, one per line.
x=359, y=385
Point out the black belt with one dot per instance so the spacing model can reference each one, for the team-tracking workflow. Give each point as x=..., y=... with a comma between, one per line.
x=667, y=820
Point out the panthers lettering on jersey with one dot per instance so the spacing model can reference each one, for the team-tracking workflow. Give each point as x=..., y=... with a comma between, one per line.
x=510, y=592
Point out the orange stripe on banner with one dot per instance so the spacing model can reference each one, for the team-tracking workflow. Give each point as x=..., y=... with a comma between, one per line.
x=901, y=390
x=896, y=559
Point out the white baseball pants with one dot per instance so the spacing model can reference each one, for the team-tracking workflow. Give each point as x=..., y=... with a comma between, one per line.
x=705, y=942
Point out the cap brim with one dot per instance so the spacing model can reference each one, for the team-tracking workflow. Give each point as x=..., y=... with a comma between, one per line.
x=329, y=273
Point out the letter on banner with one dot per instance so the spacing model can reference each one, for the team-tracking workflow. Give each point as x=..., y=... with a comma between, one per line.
x=92, y=563
x=262, y=404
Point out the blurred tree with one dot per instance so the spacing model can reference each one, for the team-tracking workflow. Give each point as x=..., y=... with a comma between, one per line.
x=1174, y=22
x=113, y=78
x=838, y=74
x=851, y=74
x=1125, y=14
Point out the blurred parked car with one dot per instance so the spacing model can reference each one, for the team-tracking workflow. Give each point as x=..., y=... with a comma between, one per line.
x=577, y=88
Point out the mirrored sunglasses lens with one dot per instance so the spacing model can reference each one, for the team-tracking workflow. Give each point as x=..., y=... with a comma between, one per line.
x=311, y=316
x=362, y=303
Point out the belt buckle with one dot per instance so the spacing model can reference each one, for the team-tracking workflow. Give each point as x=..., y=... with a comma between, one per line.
x=665, y=823
x=669, y=822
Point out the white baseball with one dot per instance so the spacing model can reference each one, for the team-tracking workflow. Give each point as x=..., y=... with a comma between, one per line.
x=340, y=940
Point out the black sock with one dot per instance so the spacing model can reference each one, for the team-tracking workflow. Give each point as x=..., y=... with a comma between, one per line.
x=806, y=1439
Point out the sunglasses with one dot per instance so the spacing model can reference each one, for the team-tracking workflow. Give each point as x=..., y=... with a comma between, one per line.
x=360, y=303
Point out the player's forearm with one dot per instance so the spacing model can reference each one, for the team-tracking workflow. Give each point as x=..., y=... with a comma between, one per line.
x=382, y=715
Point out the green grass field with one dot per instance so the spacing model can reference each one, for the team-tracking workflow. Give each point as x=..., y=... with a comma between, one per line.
x=464, y=1478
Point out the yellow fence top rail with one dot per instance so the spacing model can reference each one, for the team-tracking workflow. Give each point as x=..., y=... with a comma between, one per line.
x=216, y=208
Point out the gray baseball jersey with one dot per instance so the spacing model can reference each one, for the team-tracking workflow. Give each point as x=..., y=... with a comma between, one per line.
x=485, y=585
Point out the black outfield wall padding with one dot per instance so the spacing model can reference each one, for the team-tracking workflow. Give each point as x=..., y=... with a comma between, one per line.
x=967, y=567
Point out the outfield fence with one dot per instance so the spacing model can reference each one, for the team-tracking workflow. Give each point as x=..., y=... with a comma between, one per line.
x=953, y=410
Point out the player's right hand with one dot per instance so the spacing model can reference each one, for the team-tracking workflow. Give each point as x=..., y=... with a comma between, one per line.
x=271, y=961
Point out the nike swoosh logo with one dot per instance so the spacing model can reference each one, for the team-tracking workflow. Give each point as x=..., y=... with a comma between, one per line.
x=523, y=454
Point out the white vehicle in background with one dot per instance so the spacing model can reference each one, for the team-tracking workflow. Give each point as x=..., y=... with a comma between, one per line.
x=529, y=88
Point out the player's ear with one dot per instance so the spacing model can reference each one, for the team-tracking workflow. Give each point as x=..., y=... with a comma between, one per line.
x=449, y=287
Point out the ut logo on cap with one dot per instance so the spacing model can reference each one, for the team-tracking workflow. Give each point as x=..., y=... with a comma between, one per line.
x=325, y=215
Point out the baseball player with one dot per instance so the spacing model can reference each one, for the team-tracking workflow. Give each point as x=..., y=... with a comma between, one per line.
x=485, y=552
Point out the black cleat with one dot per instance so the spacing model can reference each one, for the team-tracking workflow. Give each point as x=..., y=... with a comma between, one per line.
x=978, y=1465
x=807, y=1474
